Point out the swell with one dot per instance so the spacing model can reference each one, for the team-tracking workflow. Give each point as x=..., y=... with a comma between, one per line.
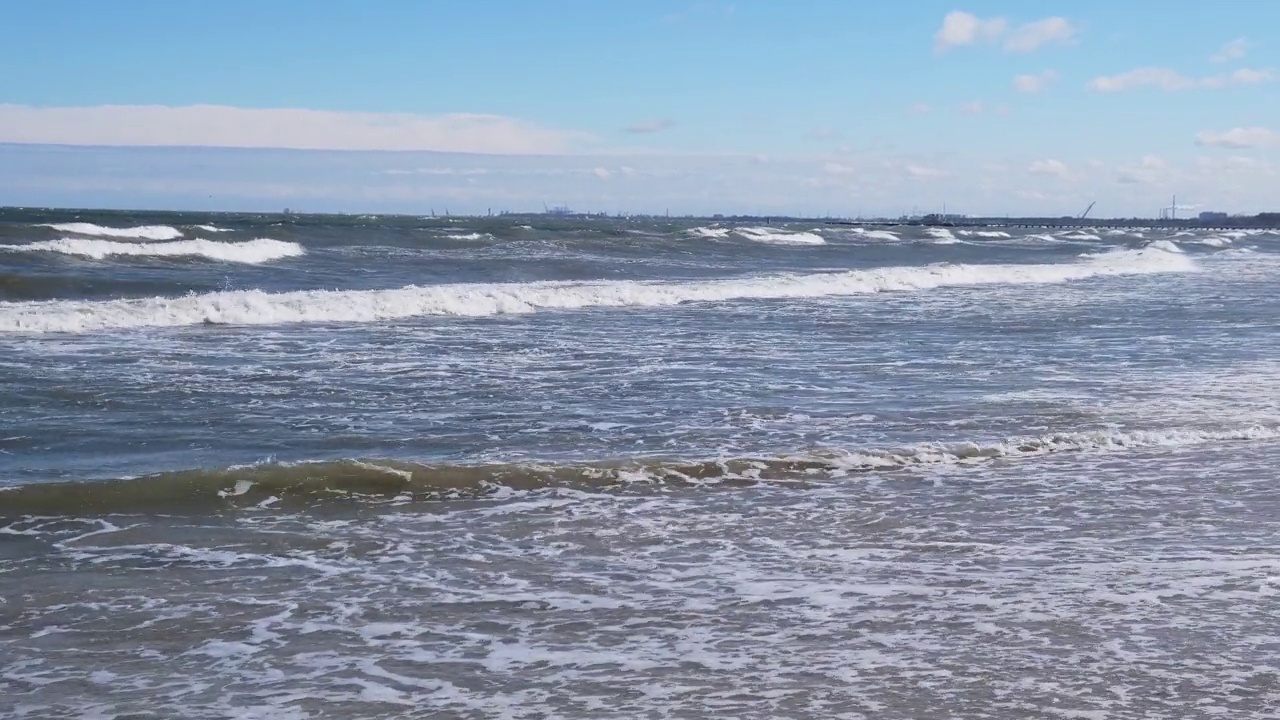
x=45, y=286
x=255, y=307
x=298, y=486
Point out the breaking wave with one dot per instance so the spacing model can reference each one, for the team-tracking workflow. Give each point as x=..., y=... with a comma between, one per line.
x=213, y=229
x=706, y=232
x=142, y=232
x=256, y=251
x=299, y=485
x=876, y=234
x=778, y=237
x=941, y=236
x=255, y=307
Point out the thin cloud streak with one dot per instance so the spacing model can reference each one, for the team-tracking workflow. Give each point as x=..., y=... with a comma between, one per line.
x=287, y=128
x=1234, y=50
x=1253, y=137
x=651, y=126
x=1171, y=80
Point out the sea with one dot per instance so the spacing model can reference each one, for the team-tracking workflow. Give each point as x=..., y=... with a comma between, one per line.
x=304, y=466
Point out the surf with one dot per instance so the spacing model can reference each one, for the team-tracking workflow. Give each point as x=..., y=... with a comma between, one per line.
x=256, y=307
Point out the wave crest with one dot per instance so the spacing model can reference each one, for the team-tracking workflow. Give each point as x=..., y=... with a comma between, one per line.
x=299, y=485
x=778, y=237
x=252, y=252
x=141, y=232
x=255, y=307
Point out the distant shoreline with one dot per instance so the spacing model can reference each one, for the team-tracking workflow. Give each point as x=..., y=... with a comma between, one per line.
x=1262, y=221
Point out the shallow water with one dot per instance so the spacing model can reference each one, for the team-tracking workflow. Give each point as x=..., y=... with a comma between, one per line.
x=536, y=467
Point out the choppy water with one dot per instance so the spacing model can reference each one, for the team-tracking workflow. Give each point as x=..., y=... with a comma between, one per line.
x=314, y=467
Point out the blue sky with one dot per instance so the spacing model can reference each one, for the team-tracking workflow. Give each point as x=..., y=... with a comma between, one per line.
x=825, y=106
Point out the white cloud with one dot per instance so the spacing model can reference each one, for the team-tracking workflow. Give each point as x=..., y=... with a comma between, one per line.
x=835, y=168
x=1049, y=168
x=223, y=126
x=651, y=126
x=1034, y=83
x=921, y=172
x=1148, y=171
x=972, y=108
x=1033, y=35
x=1171, y=80
x=921, y=109
x=1239, y=138
x=1233, y=50
x=961, y=28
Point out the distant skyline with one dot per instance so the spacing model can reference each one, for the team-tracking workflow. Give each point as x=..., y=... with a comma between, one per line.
x=814, y=108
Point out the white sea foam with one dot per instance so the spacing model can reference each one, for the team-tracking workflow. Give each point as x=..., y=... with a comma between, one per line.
x=877, y=234
x=707, y=232
x=991, y=234
x=1080, y=236
x=1166, y=245
x=939, y=233
x=256, y=251
x=953, y=453
x=779, y=237
x=1214, y=241
x=142, y=232
x=467, y=236
x=213, y=229
x=255, y=307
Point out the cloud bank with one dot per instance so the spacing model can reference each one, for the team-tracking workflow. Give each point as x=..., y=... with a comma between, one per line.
x=1240, y=138
x=224, y=126
x=651, y=126
x=1172, y=80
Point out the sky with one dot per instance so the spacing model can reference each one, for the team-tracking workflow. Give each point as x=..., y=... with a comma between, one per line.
x=816, y=107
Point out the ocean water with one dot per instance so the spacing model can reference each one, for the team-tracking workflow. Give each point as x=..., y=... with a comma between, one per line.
x=537, y=467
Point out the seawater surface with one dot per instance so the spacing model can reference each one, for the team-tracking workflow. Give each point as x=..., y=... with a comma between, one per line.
x=532, y=467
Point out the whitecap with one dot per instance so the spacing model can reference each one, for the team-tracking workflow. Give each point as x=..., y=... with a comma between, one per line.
x=141, y=232
x=774, y=236
x=256, y=307
x=256, y=251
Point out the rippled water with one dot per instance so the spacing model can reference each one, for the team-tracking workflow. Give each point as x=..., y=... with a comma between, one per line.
x=535, y=467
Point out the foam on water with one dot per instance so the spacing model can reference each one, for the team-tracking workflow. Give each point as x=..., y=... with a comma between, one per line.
x=304, y=484
x=1164, y=245
x=779, y=237
x=1214, y=241
x=254, y=307
x=213, y=229
x=709, y=232
x=256, y=251
x=885, y=235
x=142, y=232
